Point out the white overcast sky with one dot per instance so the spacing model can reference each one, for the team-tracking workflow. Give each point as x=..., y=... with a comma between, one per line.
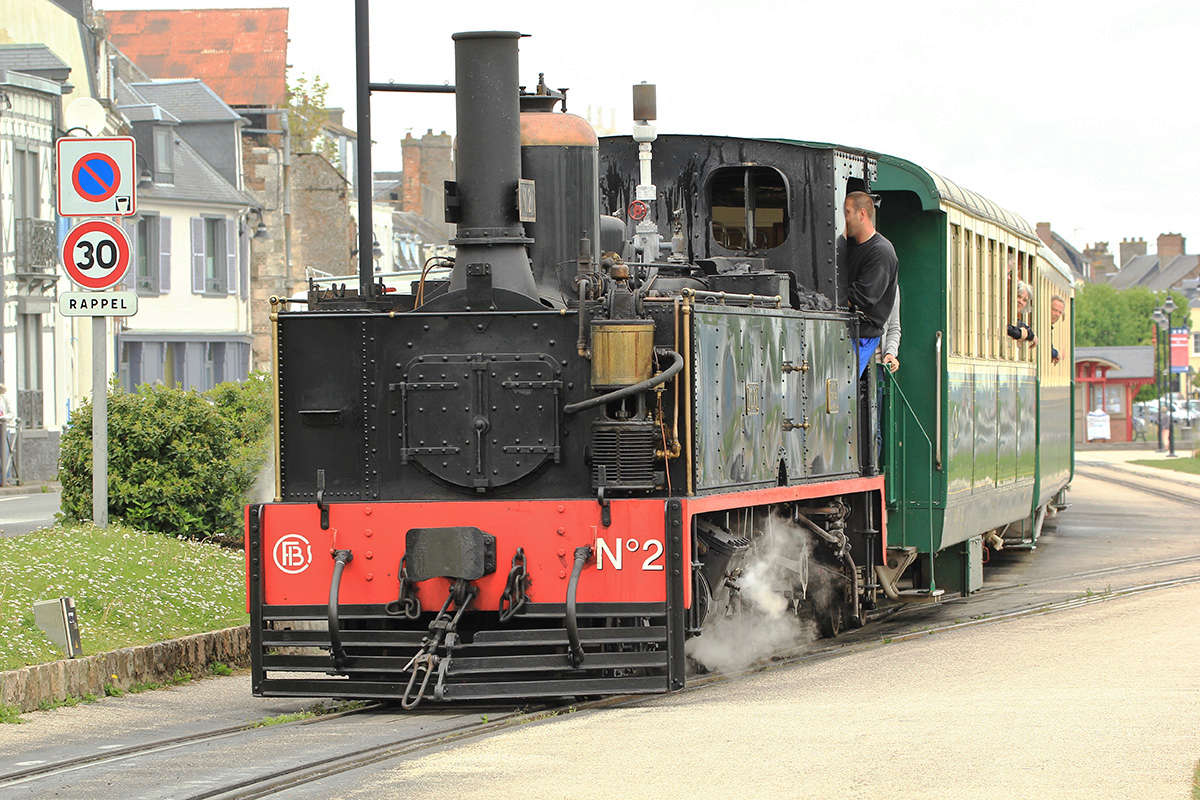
x=1082, y=114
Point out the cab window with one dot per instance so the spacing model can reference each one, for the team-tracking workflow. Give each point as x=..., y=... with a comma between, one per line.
x=748, y=208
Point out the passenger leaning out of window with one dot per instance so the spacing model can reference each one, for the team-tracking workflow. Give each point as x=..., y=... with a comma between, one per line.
x=1057, y=307
x=1021, y=330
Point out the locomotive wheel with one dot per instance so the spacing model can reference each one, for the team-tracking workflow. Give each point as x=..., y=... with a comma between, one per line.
x=830, y=623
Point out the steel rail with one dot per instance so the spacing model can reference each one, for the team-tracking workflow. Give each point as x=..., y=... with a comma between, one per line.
x=156, y=746
x=1086, y=471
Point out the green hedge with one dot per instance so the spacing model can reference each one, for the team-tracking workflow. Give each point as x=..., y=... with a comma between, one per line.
x=180, y=462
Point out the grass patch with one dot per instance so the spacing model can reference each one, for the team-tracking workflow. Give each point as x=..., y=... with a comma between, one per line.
x=1183, y=464
x=219, y=668
x=317, y=710
x=10, y=715
x=69, y=701
x=130, y=588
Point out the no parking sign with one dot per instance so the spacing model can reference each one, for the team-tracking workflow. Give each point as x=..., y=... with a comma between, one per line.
x=97, y=176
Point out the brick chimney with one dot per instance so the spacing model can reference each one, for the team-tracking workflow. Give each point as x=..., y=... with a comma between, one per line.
x=1131, y=248
x=1043, y=232
x=1099, y=262
x=410, y=196
x=436, y=169
x=1169, y=246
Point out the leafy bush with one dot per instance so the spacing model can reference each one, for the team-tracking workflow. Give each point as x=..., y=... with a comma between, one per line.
x=179, y=462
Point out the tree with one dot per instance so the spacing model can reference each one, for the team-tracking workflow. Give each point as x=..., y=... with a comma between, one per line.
x=307, y=112
x=1108, y=317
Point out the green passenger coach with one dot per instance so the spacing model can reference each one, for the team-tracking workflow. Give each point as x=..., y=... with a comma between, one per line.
x=980, y=447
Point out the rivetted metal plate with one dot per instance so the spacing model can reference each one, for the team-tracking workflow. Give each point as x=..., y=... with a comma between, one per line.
x=743, y=397
x=832, y=441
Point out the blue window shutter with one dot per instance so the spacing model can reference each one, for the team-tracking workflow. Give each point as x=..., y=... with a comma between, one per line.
x=130, y=225
x=231, y=254
x=197, y=255
x=164, y=254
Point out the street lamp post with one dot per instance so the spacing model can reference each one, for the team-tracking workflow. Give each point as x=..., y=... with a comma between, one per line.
x=1157, y=320
x=1162, y=318
x=1168, y=308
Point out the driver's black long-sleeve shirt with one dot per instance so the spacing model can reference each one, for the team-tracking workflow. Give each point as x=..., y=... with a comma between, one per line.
x=873, y=269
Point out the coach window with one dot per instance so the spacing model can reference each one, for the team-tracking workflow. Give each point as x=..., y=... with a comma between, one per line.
x=748, y=208
x=981, y=299
x=971, y=298
x=956, y=290
x=1010, y=282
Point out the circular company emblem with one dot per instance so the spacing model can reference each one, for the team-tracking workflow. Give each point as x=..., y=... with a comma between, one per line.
x=96, y=254
x=292, y=554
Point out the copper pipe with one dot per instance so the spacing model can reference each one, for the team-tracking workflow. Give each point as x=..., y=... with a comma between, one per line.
x=675, y=420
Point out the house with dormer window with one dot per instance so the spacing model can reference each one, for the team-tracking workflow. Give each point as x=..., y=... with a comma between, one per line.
x=191, y=239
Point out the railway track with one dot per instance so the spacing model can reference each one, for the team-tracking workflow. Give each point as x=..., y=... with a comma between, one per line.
x=65, y=766
x=1105, y=472
x=272, y=783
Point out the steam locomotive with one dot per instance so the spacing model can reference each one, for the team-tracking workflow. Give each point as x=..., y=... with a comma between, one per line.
x=543, y=473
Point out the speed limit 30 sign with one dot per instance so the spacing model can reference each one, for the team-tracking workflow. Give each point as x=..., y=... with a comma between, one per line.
x=96, y=254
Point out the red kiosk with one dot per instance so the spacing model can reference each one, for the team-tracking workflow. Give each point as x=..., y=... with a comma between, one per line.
x=1109, y=378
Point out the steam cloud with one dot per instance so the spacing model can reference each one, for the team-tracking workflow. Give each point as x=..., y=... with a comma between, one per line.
x=766, y=622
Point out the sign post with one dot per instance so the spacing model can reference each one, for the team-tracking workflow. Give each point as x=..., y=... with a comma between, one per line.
x=97, y=176
x=99, y=424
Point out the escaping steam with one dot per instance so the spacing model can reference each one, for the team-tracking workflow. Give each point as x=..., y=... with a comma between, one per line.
x=759, y=619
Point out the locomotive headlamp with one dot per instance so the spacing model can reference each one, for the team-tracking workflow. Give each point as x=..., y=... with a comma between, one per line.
x=645, y=104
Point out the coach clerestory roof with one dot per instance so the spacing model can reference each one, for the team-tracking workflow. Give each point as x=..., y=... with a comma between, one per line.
x=933, y=189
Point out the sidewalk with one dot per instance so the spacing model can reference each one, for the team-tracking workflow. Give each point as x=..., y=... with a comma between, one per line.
x=1121, y=459
x=34, y=487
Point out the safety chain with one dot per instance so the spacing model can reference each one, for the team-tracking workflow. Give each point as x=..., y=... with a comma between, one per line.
x=407, y=604
x=443, y=632
x=514, y=598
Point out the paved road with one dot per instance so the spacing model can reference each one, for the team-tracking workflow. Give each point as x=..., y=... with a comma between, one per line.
x=22, y=513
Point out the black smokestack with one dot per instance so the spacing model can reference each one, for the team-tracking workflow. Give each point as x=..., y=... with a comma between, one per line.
x=488, y=161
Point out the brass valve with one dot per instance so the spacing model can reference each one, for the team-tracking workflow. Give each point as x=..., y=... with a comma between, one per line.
x=790, y=367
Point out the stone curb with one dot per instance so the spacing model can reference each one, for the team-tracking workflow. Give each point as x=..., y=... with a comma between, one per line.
x=27, y=687
x=34, y=487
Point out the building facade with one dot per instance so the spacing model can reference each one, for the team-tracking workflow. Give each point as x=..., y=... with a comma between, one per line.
x=38, y=383
x=191, y=240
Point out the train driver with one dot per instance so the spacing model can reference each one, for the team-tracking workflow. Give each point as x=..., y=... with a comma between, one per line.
x=873, y=269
